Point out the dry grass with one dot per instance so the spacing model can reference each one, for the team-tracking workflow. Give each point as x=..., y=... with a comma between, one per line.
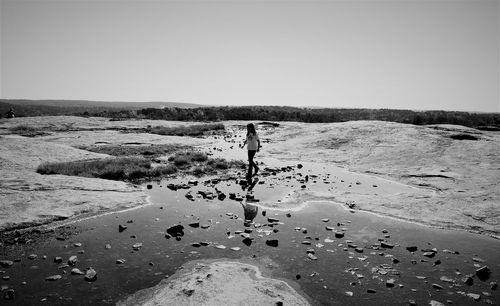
x=189, y=130
x=121, y=168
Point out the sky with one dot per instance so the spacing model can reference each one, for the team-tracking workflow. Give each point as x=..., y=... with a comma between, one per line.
x=403, y=54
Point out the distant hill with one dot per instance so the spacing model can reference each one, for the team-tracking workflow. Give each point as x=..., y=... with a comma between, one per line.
x=23, y=107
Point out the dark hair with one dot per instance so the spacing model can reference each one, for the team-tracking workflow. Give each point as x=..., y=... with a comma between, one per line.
x=251, y=129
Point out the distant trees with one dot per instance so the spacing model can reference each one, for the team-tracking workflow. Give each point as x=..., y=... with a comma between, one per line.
x=266, y=113
x=319, y=115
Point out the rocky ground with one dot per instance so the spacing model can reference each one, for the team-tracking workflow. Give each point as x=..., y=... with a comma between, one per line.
x=461, y=176
x=29, y=198
x=445, y=176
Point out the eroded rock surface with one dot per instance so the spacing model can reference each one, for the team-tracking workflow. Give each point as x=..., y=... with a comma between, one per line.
x=218, y=283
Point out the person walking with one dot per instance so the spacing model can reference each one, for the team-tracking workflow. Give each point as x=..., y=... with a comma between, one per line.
x=253, y=145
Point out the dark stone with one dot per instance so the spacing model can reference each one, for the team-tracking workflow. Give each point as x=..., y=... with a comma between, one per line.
x=339, y=235
x=6, y=263
x=299, y=166
x=195, y=244
x=264, y=213
x=247, y=241
x=8, y=294
x=412, y=248
x=493, y=285
x=483, y=273
x=188, y=292
x=288, y=215
x=272, y=242
x=176, y=230
x=386, y=245
x=371, y=290
x=121, y=227
x=58, y=259
x=395, y=260
x=437, y=262
x=149, y=186
x=279, y=303
x=298, y=276
x=232, y=196
x=272, y=220
x=172, y=187
x=429, y=254
x=221, y=196
x=437, y=286
x=390, y=283
x=195, y=224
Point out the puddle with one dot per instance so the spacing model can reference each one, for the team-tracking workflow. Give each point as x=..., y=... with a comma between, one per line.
x=310, y=204
x=337, y=274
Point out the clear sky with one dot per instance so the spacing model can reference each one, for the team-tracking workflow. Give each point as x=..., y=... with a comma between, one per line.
x=425, y=54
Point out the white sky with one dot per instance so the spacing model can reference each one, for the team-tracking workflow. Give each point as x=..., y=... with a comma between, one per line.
x=364, y=54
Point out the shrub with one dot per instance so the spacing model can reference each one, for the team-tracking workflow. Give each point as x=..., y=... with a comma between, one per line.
x=189, y=130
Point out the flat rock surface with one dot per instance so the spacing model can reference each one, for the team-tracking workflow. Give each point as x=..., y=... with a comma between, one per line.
x=29, y=198
x=460, y=177
x=217, y=283
x=442, y=181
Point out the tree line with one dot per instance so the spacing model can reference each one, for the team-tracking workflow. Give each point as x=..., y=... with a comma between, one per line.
x=310, y=115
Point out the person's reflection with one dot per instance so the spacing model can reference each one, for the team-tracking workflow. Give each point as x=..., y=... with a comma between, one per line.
x=250, y=211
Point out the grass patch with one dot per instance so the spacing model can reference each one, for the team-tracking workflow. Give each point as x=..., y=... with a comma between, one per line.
x=186, y=159
x=188, y=130
x=27, y=131
x=119, y=169
x=137, y=169
x=134, y=150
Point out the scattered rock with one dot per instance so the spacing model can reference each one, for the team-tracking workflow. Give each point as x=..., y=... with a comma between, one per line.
x=435, y=303
x=247, y=241
x=483, y=273
x=194, y=224
x=437, y=286
x=9, y=294
x=120, y=261
x=137, y=246
x=32, y=256
x=72, y=260
x=176, y=230
x=429, y=254
x=90, y=275
x=339, y=235
x=390, y=283
x=386, y=245
x=474, y=296
x=53, y=277
x=446, y=279
x=412, y=248
x=76, y=271
x=311, y=256
x=493, y=285
x=6, y=263
x=272, y=242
